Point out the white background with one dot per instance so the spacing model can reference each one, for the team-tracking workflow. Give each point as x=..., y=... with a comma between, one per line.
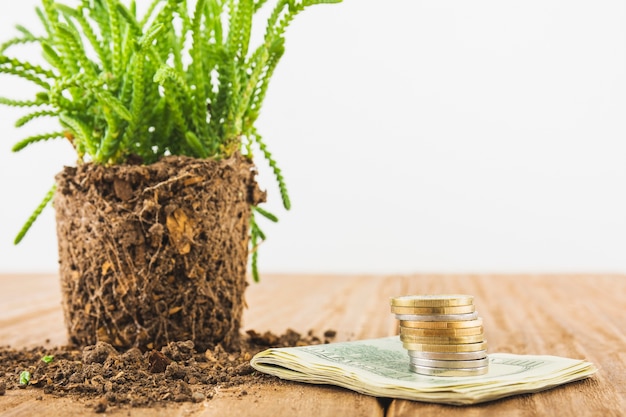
x=415, y=136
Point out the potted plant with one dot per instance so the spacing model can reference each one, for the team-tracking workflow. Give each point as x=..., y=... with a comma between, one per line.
x=156, y=222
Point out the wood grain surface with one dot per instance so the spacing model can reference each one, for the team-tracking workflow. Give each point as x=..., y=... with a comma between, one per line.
x=577, y=316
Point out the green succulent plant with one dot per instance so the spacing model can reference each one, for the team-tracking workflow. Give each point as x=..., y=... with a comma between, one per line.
x=181, y=79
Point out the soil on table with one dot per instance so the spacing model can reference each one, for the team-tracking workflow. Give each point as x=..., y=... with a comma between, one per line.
x=108, y=378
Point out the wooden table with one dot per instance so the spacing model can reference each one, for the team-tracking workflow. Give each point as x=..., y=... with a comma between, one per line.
x=577, y=316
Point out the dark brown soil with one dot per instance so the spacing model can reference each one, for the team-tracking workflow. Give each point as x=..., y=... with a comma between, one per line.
x=177, y=372
x=155, y=253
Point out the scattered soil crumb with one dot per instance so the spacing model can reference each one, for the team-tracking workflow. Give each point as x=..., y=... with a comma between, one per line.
x=108, y=378
x=101, y=405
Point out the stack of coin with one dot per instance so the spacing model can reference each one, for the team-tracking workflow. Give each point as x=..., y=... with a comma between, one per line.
x=442, y=333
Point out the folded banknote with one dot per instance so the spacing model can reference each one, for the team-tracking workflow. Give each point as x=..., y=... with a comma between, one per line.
x=380, y=367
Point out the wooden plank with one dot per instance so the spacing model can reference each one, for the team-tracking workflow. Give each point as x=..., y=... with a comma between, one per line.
x=30, y=311
x=357, y=307
x=280, y=399
x=18, y=403
x=572, y=316
x=294, y=400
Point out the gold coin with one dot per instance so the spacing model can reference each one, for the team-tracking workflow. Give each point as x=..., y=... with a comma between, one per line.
x=425, y=370
x=429, y=347
x=433, y=310
x=432, y=300
x=463, y=331
x=441, y=340
x=448, y=356
x=433, y=363
x=438, y=317
x=441, y=324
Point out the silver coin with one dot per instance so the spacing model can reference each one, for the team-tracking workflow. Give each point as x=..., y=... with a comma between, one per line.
x=448, y=356
x=438, y=317
x=425, y=370
x=431, y=363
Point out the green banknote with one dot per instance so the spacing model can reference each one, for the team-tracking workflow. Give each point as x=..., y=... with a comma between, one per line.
x=380, y=367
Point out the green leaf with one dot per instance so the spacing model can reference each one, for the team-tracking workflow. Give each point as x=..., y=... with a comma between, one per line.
x=258, y=4
x=277, y=171
x=43, y=19
x=116, y=36
x=113, y=103
x=26, y=66
x=59, y=38
x=88, y=32
x=166, y=73
x=36, y=138
x=255, y=235
x=52, y=57
x=21, y=103
x=83, y=135
x=26, y=227
x=195, y=144
x=178, y=95
x=255, y=267
x=198, y=70
x=24, y=31
x=75, y=46
x=25, y=75
x=240, y=27
x=312, y=2
x=35, y=115
x=149, y=37
x=24, y=378
x=47, y=359
x=265, y=214
x=17, y=41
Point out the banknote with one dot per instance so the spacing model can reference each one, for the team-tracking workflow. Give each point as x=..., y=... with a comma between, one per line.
x=380, y=367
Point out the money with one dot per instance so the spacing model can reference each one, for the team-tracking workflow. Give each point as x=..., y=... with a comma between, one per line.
x=464, y=347
x=438, y=317
x=419, y=331
x=440, y=340
x=442, y=334
x=433, y=363
x=449, y=300
x=379, y=367
x=425, y=370
x=447, y=356
x=453, y=324
x=432, y=310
